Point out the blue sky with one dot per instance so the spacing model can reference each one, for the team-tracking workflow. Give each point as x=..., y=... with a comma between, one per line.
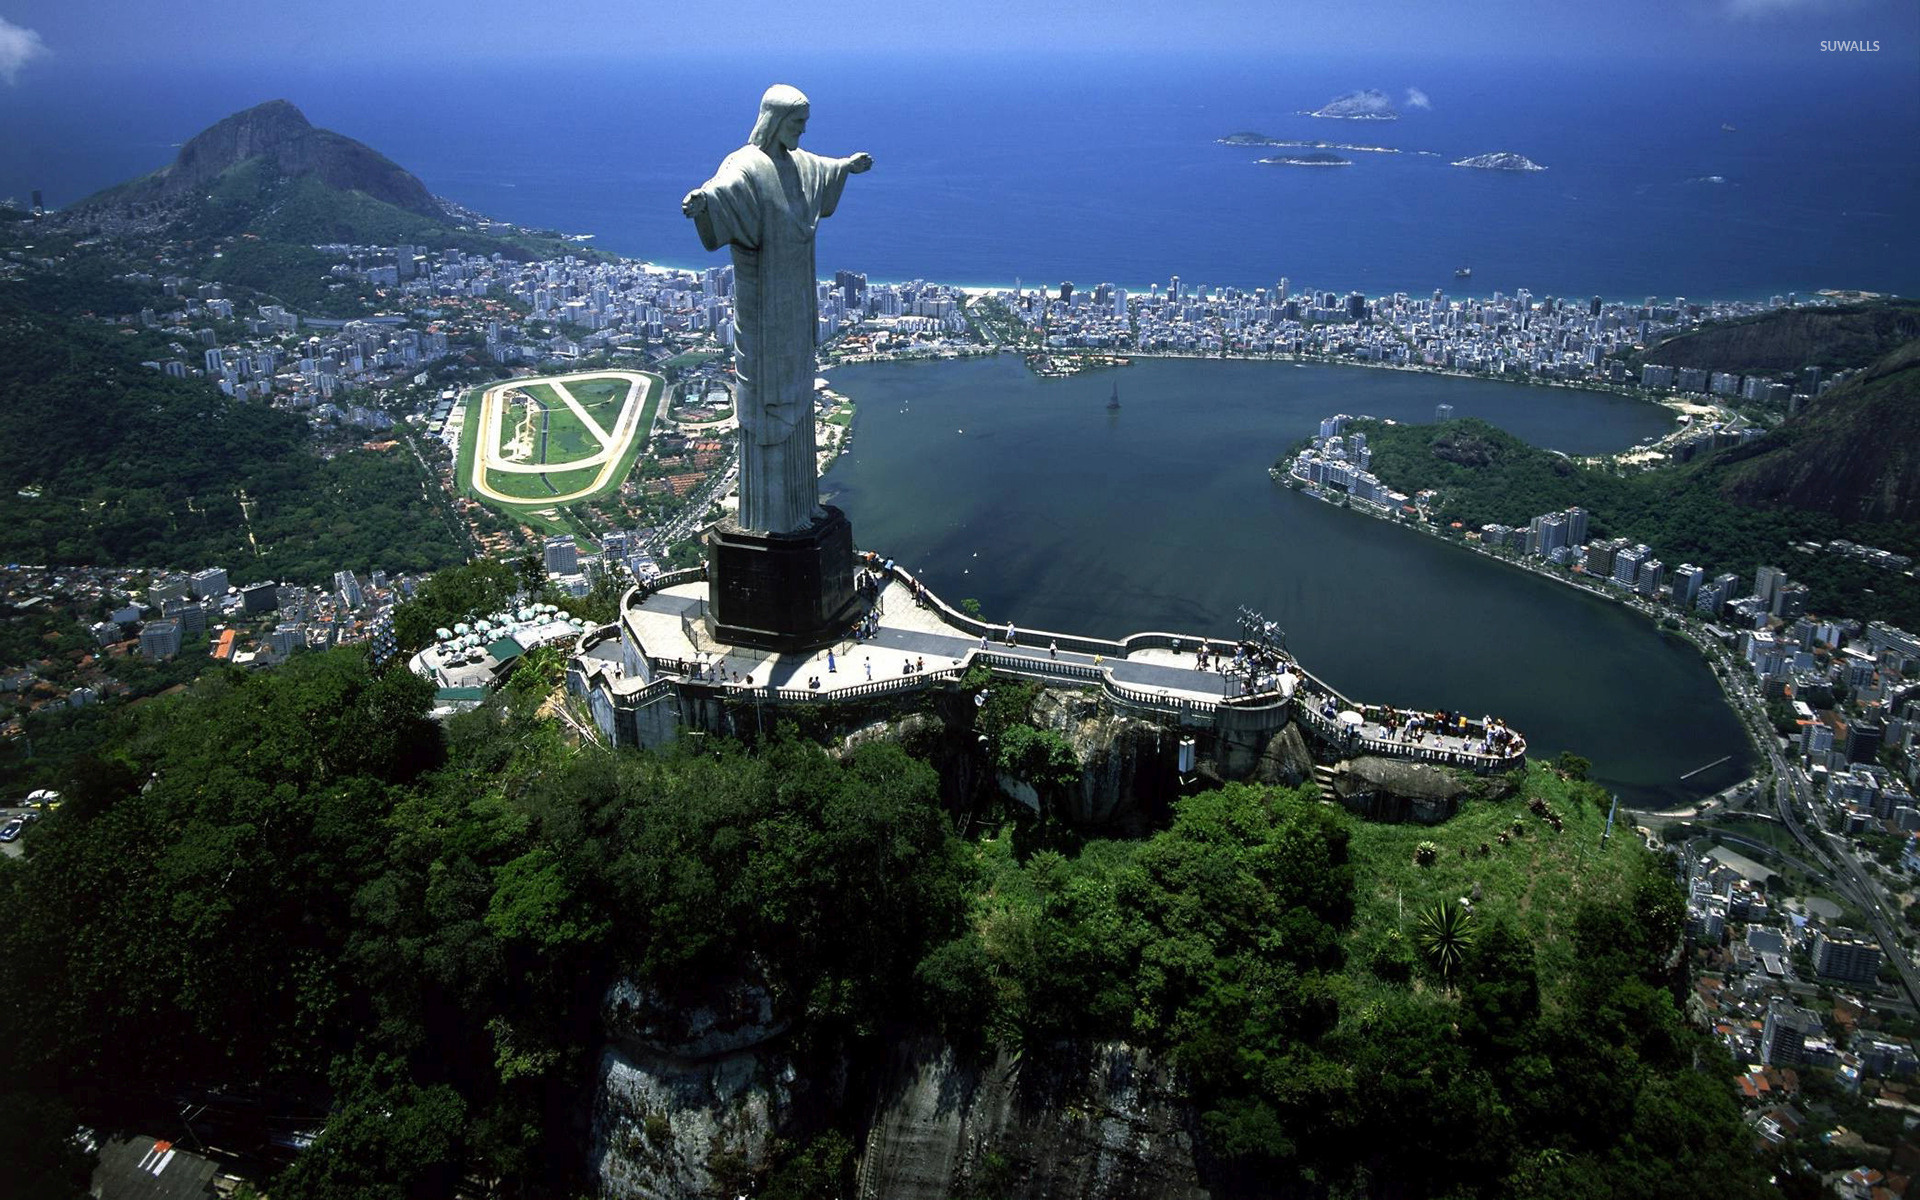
x=37, y=35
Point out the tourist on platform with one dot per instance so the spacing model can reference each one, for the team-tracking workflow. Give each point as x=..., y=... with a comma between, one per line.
x=1053, y=649
x=869, y=668
x=832, y=669
x=1011, y=641
x=920, y=664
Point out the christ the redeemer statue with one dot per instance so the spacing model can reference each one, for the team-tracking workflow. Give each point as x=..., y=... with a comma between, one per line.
x=764, y=203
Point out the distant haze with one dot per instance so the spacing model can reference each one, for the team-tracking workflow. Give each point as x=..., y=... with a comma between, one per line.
x=226, y=33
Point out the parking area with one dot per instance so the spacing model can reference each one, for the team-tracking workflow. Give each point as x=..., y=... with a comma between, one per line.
x=15, y=846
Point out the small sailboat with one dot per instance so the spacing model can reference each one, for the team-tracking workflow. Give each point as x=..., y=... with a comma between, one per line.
x=1113, y=401
x=1463, y=273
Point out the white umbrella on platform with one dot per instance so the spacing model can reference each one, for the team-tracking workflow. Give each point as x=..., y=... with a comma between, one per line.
x=1351, y=717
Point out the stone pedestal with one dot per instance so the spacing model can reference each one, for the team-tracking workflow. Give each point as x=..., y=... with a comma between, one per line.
x=781, y=591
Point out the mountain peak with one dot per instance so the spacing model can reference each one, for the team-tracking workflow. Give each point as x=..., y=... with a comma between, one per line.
x=277, y=136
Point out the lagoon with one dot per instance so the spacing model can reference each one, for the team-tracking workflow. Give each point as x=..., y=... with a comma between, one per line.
x=1030, y=496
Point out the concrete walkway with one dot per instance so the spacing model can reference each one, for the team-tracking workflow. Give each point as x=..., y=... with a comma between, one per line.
x=671, y=627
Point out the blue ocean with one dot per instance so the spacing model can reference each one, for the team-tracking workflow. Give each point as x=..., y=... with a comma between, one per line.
x=1712, y=181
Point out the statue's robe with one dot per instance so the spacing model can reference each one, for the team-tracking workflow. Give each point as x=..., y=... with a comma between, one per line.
x=765, y=206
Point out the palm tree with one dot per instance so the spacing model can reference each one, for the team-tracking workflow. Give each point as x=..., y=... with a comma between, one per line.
x=1444, y=933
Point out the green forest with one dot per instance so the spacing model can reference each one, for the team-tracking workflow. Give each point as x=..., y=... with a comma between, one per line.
x=1831, y=337
x=402, y=932
x=122, y=465
x=1485, y=476
x=295, y=213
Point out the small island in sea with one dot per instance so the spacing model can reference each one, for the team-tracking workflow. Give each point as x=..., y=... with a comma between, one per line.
x=1261, y=139
x=1368, y=105
x=1501, y=162
x=1315, y=159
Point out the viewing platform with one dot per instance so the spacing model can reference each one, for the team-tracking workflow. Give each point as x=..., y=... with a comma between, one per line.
x=658, y=671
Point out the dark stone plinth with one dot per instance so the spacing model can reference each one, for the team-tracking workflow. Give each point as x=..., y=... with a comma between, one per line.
x=781, y=591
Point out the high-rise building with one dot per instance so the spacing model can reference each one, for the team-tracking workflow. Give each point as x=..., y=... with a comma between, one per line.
x=1687, y=582
x=191, y=614
x=1600, y=555
x=348, y=589
x=1725, y=590
x=1547, y=533
x=1842, y=955
x=562, y=556
x=160, y=639
x=167, y=588
x=257, y=598
x=210, y=582
x=1864, y=739
x=1626, y=564
x=1783, y=1037
x=1651, y=575
x=1789, y=601
x=1576, y=526
x=1767, y=581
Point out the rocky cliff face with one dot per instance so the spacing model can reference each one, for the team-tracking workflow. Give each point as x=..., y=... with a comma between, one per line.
x=694, y=1091
x=1126, y=764
x=1286, y=760
x=279, y=134
x=1397, y=791
x=1100, y=1122
x=1097, y=1122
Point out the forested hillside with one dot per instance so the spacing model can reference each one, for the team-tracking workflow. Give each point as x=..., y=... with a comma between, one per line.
x=104, y=461
x=337, y=913
x=1486, y=475
x=1833, y=338
x=1853, y=453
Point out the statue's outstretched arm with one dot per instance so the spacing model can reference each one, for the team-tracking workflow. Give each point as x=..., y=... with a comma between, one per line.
x=859, y=163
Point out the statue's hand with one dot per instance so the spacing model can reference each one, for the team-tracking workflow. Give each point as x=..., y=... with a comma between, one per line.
x=859, y=163
x=694, y=204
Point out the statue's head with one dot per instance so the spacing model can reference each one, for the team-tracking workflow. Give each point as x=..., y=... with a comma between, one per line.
x=783, y=117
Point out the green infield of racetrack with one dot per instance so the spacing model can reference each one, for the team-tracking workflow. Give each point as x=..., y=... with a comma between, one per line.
x=608, y=395
x=656, y=393
x=533, y=490
x=568, y=438
x=600, y=395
